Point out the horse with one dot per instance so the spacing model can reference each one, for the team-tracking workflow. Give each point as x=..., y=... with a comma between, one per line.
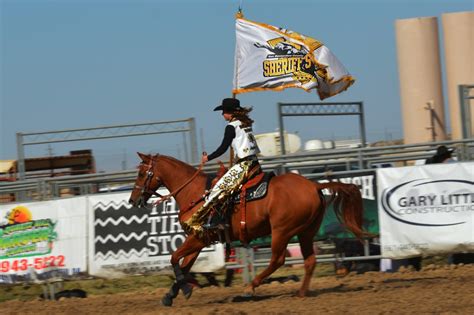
x=292, y=206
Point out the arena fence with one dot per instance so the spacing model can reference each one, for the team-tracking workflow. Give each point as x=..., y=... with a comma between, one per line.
x=314, y=165
x=247, y=259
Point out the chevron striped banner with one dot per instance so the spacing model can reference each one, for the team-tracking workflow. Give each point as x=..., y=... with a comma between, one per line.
x=129, y=240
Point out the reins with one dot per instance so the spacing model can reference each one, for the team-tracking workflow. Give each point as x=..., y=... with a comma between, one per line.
x=177, y=190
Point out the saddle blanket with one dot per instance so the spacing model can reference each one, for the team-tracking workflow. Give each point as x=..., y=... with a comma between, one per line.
x=257, y=191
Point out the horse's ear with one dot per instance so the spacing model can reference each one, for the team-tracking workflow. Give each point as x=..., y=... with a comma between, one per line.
x=144, y=157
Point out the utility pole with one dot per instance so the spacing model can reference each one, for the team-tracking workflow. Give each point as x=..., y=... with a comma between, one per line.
x=429, y=108
x=201, y=134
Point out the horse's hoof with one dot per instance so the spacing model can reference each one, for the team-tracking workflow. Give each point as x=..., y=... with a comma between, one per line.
x=167, y=300
x=249, y=292
x=242, y=298
x=187, y=290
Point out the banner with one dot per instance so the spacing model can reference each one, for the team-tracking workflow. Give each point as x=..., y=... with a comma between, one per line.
x=426, y=210
x=330, y=227
x=40, y=237
x=272, y=58
x=128, y=240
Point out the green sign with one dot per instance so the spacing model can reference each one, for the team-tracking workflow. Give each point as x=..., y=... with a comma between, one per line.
x=27, y=239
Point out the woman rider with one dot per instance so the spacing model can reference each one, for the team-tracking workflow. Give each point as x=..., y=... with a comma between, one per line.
x=238, y=134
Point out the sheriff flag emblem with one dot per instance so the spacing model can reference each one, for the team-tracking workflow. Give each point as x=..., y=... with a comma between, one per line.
x=270, y=58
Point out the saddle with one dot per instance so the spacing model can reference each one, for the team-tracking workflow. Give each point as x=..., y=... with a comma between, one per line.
x=255, y=188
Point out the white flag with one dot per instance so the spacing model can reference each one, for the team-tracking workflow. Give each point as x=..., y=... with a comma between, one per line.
x=271, y=58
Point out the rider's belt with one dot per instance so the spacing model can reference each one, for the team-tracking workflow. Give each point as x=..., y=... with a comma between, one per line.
x=252, y=158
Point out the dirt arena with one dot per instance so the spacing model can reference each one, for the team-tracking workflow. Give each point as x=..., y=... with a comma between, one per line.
x=434, y=290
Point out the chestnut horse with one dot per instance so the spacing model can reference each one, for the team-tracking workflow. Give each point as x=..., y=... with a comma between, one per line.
x=292, y=206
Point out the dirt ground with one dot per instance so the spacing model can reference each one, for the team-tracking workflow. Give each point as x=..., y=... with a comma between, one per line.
x=434, y=290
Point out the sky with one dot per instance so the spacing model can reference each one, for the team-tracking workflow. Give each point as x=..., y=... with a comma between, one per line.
x=83, y=64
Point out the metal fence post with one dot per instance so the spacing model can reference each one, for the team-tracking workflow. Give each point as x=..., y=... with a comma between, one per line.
x=242, y=259
x=20, y=196
x=366, y=248
x=20, y=155
x=251, y=253
x=362, y=124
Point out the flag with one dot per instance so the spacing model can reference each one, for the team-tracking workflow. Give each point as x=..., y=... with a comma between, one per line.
x=271, y=58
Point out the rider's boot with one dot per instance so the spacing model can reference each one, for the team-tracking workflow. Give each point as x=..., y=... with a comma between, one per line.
x=213, y=222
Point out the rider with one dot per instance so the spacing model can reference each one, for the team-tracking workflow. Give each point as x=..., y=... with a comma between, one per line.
x=238, y=133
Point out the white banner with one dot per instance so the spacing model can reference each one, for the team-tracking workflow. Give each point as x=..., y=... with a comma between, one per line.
x=128, y=240
x=43, y=236
x=426, y=210
x=271, y=58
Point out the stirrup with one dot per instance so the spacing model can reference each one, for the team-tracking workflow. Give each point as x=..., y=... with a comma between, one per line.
x=212, y=221
x=213, y=226
x=209, y=226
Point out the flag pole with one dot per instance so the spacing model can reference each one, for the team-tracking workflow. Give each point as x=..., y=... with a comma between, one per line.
x=231, y=152
x=231, y=159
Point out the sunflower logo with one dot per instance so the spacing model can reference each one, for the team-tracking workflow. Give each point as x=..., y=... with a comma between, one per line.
x=19, y=214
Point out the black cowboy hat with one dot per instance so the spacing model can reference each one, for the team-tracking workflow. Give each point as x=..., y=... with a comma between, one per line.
x=229, y=105
x=444, y=151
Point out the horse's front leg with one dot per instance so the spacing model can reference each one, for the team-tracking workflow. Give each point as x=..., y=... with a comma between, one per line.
x=186, y=265
x=189, y=250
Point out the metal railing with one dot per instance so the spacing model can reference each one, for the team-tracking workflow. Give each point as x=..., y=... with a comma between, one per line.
x=249, y=260
x=313, y=165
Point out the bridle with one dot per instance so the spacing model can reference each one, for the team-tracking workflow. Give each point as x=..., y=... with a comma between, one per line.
x=145, y=188
x=149, y=177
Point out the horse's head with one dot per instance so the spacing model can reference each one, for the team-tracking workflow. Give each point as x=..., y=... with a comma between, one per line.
x=147, y=181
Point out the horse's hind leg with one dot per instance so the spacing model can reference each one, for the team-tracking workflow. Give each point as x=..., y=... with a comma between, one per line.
x=306, y=245
x=307, y=250
x=279, y=244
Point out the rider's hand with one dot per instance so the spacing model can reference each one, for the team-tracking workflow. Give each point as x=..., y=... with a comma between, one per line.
x=204, y=158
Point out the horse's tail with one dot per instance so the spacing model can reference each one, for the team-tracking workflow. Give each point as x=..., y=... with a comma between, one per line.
x=347, y=204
